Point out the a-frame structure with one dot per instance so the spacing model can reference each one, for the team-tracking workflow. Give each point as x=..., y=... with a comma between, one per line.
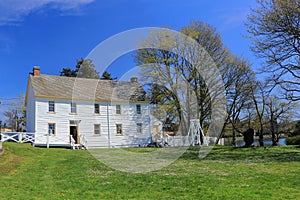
x=196, y=133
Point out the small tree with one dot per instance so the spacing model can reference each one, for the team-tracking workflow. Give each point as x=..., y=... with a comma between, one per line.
x=107, y=76
x=16, y=114
x=84, y=69
x=278, y=113
x=68, y=72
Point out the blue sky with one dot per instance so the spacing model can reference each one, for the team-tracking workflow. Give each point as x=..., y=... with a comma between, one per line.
x=53, y=34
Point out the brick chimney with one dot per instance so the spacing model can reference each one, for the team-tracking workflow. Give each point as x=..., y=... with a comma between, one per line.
x=134, y=80
x=36, y=71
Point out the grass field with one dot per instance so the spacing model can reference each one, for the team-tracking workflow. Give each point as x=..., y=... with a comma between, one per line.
x=226, y=173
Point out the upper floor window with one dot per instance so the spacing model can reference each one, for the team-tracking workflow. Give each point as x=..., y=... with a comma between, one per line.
x=51, y=106
x=51, y=129
x=97, y=108
x=118, y=109
x=73, y=107
x=138, y=109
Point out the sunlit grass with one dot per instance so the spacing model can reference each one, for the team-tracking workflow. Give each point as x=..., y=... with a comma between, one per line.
x=226, y=173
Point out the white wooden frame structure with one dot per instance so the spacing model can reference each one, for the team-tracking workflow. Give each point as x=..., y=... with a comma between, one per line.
x=195, y=133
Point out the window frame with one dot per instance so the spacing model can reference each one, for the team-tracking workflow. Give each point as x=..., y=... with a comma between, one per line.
x=97, y=130
x=118, y=109
x=72, y=106
x=54, y=127
x=98, y=108
x=138, y=111
x=49, y=106
x=122, y=132
x=139, y=127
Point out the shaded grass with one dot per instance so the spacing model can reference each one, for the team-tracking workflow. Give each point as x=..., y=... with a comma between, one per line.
x=226, y=173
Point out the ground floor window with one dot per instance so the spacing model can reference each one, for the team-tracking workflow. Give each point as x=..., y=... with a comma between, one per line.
x=139, y=127
x=119, y=129
x=51, y=129
x=97, y=129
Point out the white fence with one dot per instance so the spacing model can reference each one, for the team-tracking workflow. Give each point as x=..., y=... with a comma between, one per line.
x=21, y=137
x=185, y=140
x=42, y=139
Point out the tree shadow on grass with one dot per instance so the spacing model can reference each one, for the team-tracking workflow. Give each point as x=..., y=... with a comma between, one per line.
x=255, y=154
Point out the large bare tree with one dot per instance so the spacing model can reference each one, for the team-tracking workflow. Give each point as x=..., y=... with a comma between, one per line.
x=274, y=27
x=174, y=65
x=178, y=72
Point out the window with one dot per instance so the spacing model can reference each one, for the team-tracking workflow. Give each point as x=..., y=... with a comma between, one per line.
x=97, y=108
x=73, y=107
x=73, y=123
x=138, y=109
x=97, y=129
x=51, y=106
x=119, y=129
x=51, y=129
x=139, y=127
x=118, y=109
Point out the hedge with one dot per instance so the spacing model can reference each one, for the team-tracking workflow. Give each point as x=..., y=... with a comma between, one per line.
x=293, y=140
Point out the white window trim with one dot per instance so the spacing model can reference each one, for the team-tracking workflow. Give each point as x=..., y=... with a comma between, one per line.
x=118, y=109
x=72, y=107
x=97, y=113
x=122, y=130
x=53, y=106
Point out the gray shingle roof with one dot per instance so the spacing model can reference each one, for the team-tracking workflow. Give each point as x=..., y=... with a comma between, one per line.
x=49, y=86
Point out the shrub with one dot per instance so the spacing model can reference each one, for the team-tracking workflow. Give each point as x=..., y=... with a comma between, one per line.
x=293, y=140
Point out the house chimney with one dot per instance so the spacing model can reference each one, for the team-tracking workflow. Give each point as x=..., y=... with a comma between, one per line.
x=36, y=71
x=134, y=80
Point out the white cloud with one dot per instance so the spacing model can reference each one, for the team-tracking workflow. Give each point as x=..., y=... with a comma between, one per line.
x=14, y=11
x=231, y=18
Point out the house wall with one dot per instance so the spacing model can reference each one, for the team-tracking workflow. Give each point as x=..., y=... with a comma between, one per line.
x=87, y=118
x=30, y=111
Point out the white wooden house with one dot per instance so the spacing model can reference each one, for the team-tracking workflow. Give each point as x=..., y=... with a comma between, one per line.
x=96, y=113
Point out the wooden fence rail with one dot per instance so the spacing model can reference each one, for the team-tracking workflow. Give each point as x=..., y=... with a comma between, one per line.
x=20, y=137
x=41, y=139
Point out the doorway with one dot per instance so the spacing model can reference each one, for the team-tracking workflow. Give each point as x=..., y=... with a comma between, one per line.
x=155, y=132
x=74, y=131
x=155, y=129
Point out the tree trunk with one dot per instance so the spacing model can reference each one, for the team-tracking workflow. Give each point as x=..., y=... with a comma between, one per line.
x=261, y=138
x=233, y=137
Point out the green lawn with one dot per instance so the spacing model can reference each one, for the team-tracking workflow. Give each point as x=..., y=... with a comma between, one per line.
x=27, y=172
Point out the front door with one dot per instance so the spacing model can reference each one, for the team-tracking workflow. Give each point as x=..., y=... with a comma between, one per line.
x=155, y=129
x=74, y=134
x=155, y=132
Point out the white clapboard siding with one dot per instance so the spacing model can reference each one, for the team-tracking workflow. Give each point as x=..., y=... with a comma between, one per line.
x=87, y=118
x=30, y=111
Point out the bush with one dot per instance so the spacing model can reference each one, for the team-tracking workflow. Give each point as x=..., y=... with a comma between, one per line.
x=293, y=140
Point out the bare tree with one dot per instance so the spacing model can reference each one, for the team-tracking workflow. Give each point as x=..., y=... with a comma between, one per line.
x=258, y=96
x=238, y=78
x=275, y=29
x=16, y=114
x=278, y=111
x=176, y=65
